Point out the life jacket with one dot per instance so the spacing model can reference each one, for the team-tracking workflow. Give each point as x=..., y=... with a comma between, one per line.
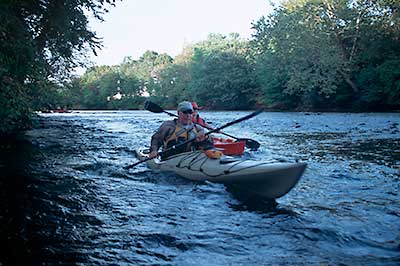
x=198, y=120
x=179, y=135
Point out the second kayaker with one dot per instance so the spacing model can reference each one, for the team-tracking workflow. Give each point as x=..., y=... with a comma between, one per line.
x=198, y=120
x=172, y=133
x=196, y=116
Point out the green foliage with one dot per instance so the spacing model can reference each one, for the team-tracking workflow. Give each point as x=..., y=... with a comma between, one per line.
x=70, y=95
x=222, y=80
x=171, y=85
x=122, y=86
x=272, y=75
x=306, y=55
x=102, y=87
x=216, y=43
x=380, y=85
x=322, y=50
x=216, y=72
x=306, y=61
x=40, y=41
x=389, y=78
x=127, y=103
x=14, y=108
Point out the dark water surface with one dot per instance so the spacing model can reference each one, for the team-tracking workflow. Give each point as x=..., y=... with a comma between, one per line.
x=66, y=198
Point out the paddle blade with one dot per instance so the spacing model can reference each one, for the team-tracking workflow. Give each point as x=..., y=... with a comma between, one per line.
x=152, y=107
x=252, y=144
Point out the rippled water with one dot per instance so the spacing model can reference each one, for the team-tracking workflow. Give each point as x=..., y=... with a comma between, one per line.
x=66, y=198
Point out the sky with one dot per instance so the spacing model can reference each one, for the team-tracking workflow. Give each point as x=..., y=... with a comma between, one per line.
x=167, y=26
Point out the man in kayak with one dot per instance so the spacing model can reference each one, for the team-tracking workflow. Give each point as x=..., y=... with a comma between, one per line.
x=172, y=133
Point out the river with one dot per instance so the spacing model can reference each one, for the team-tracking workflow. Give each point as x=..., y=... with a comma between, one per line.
x=67, y=200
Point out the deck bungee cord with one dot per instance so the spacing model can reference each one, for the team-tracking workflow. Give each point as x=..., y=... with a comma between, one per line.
x=197, y=157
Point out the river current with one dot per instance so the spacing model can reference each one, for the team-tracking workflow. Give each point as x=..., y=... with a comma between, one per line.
x=67, y=200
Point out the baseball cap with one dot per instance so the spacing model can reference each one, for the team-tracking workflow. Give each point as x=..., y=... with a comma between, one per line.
x=185, y=106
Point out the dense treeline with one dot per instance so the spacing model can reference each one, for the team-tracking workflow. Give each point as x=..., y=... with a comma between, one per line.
x=217, y=72
x=306, y=55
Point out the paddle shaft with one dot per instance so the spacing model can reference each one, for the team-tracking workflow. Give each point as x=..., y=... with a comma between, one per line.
x=207, y=127
x=208, y=133
x=155, y=108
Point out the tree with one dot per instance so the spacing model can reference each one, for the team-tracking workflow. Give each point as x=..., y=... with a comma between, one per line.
x=223, y=80
x=297, y=58
x=106, y=87
x=315, y=50
x=172, y=82
x=171, y=87
x=40, y=41
x=222, y=73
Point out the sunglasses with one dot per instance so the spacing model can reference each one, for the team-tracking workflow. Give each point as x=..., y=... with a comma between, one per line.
x=187, y=112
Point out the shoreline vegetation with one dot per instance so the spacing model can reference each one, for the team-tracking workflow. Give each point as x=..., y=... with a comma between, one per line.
x=306, y=56
x=208, y=109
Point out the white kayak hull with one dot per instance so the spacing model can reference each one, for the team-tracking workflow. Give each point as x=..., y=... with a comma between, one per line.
x=267, y=179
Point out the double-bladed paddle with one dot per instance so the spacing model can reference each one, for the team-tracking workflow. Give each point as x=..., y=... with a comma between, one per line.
x=208, y=133
x=155, y=108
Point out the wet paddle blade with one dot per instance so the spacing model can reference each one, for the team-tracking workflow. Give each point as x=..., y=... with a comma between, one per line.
x=252, y=144
x=152, y=107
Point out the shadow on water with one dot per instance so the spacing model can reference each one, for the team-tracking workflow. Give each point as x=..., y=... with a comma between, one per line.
x=250, y=202
x=40, y=213
x=16, y=202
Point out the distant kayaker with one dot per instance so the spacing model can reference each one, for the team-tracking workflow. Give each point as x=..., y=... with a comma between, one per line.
x=196, y=117
x=179, y=130
x=198, y=120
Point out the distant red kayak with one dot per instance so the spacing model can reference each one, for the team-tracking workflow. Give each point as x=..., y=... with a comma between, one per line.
x=229, y=146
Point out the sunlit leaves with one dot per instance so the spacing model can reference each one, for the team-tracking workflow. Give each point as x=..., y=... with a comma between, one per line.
x=317, y=49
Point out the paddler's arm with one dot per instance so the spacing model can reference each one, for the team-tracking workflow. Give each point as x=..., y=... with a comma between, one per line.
x=155, y=143
x=200, y=137
x=159, y=137
x=203, y=140
x=153, y=154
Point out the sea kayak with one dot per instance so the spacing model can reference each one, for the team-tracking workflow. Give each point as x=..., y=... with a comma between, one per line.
x=229, y=146
x=264, y=178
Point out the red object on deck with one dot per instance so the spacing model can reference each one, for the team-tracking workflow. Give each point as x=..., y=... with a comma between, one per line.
x=229, y=146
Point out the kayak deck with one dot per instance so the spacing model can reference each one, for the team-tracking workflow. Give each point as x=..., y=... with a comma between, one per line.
x=265, y=178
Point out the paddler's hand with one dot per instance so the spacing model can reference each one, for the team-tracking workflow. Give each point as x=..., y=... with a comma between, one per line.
x=153, y=154
x=200, y=137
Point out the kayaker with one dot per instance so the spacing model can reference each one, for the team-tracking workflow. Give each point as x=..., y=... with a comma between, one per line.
x=198, y=120
x=179, y=130
x=196, y=117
